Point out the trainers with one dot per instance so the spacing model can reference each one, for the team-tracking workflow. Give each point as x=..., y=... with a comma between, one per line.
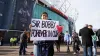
x=74, y=53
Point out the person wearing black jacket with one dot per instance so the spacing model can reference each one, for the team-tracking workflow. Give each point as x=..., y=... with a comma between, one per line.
x=98, y=34
x=86, y=34
x=23, y=42
x=76, y=43
x=58, y=42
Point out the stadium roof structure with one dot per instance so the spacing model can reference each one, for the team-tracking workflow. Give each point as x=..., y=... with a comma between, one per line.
x=51, y=7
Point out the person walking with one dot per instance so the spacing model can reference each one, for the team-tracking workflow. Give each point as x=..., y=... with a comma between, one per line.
x=67, y=40
x=86, y=34
x=76, y=43
x=94, y=38
x=23, y=42
x=58, y=42
x=98, y=35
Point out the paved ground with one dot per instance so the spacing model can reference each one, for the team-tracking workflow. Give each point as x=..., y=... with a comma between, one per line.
x=13, y=51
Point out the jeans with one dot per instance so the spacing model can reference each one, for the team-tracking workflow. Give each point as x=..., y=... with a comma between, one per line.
x=36, y=50
x=51, y=50
x=68, y=50
x=43, y=49
x=94, y=48
x=87, y=51
x=22, y=49
x=75, y=47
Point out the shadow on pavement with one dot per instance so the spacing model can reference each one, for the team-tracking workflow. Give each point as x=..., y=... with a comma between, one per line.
x=7, y=50
x=4, y=52
x=98, y=53
x=65, y=53
x=70, y=54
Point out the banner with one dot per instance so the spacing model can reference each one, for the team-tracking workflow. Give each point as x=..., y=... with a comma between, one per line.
x=44, y=29
x=23, y=13
x=6, y=7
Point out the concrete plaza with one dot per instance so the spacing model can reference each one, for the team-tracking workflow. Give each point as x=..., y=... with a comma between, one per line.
x=13, y=51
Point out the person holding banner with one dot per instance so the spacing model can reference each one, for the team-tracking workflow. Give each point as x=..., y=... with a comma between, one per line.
x=39, y=45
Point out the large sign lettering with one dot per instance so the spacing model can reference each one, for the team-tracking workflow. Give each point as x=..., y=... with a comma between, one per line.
x=44, y=29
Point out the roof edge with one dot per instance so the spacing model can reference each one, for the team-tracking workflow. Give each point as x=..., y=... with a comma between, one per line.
x=54, y=9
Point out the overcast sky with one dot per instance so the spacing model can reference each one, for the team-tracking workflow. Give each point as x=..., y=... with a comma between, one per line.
x=89, y=12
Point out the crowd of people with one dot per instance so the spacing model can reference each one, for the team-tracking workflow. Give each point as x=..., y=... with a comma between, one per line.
x=87, y=34
x=90, y=38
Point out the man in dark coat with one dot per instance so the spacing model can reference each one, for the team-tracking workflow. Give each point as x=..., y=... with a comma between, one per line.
x=23, y=42
x=86, y=34
x=98, y=34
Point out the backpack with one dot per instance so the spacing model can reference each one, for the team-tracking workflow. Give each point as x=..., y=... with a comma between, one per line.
x=94, y=37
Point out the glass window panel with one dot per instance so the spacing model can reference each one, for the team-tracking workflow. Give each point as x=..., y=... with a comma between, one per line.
x=51, y=15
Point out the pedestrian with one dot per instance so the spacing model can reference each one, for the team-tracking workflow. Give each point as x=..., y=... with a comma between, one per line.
x=58, y=42
x=23, y=42
x=94, y=39
x=98, y=35
x=1, y=40
x=15, y=40
x=12, y=41
x=67, y=40
x=76, y=43
x=86, y=34
x=38, y=45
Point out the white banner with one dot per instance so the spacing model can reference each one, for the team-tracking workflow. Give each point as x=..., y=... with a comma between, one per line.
x=44, y=29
